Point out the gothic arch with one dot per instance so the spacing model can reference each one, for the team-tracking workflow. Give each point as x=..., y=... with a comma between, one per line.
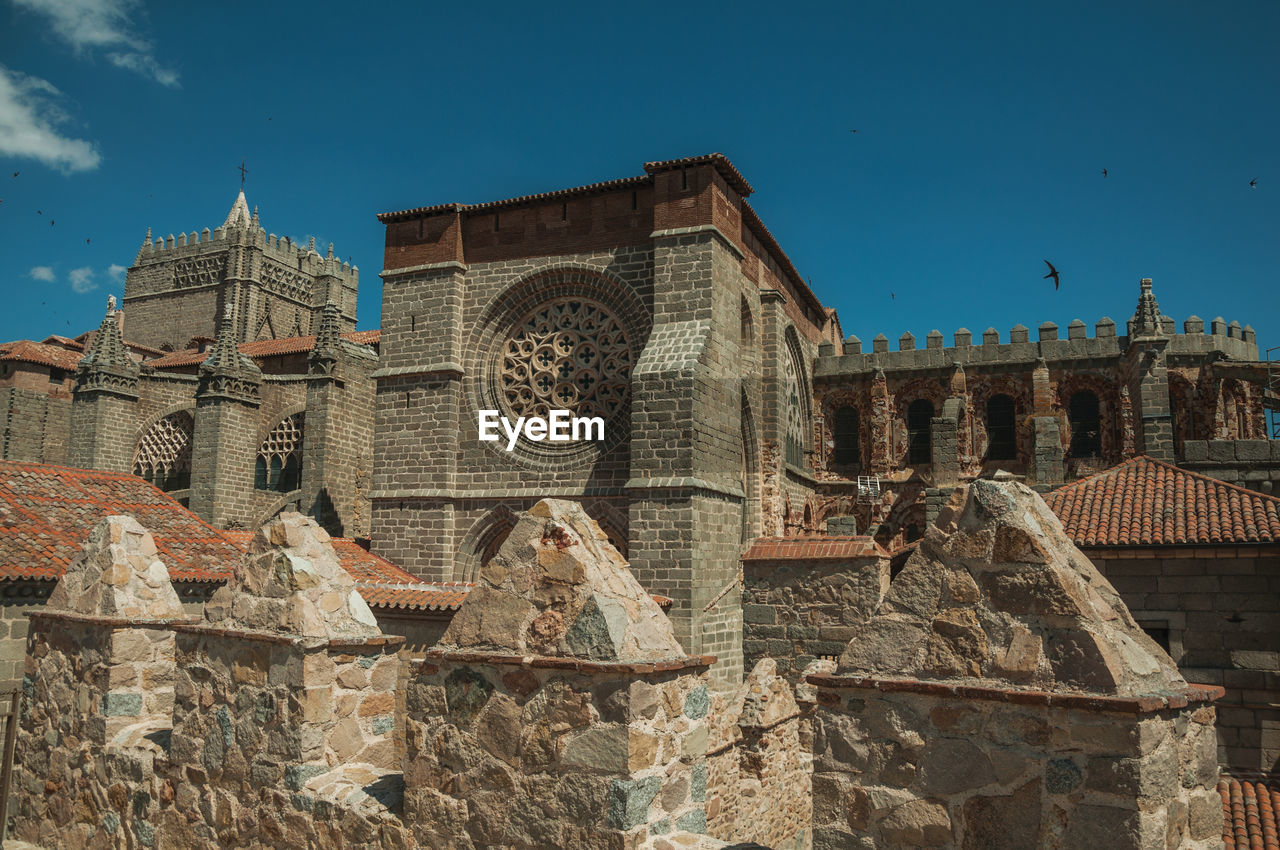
x=278, y=465
x=920, y=389
x=1185, y=408
x=612, y=522
x=796, y=402
x=288, y=501
x=482, y=542
x=980, y=397
x=162, y=451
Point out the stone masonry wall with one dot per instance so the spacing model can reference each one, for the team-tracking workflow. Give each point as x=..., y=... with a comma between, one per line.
x=34, y=425
x=946, y=769
x=796, y=609
x=758, y=767
x=517, y=752
x=1220, y=607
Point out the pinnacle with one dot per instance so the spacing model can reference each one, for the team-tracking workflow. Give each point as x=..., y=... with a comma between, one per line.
x=239, y=217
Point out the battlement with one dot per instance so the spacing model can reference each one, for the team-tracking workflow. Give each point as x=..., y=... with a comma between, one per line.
x=282, y=249
x=1231, y=340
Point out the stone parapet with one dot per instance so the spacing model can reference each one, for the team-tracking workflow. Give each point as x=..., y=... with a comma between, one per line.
x=505, y=750
x=915, y=768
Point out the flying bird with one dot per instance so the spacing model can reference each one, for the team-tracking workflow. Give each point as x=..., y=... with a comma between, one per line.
x=39, y=212
x=1104, y=172
x=1253, y=184
x=1053, y=273
x=851, y=131
x=51, y=222
x=16, y=173
x=892, y=297
x=86, y=241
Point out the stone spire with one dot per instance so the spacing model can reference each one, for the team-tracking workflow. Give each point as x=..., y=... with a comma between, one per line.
x=107, y=366
x=1146, y=319
x=226, y=372
x=325, y=353
x=238, y=218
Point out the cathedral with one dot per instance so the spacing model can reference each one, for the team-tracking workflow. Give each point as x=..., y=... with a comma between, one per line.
x=734, y=409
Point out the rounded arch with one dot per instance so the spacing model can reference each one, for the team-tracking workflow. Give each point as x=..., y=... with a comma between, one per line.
x=1184, y=405
x=829, y=406
x=921, y=389
x=980, y=398
x=482, y=541
x=1107, y=394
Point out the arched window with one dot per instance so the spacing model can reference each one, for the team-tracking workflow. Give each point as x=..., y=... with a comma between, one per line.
x=279, y=465
x=795, y=400
x=1002, y=429
x=746, y=332
x=844, y=431
x=919, y=447
x=1086, y=428
x=163, y=455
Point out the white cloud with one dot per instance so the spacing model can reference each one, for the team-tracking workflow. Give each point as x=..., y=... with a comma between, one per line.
x=117, y=272
x=105, y=24
x=82, y=280
x=29, y=116
x=44, y=273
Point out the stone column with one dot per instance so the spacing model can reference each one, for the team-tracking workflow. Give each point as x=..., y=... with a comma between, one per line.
x=1149, y=377
x=100, y=674
x=558, y=709
x=105, y=395
x=1004, y=697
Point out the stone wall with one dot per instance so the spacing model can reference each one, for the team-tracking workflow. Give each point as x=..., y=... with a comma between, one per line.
x=1254, y=464
x=34, y=424
x=956, y=767
x=1002, y=696
x=802, y=598
x=1219, y=609
x=758, y=771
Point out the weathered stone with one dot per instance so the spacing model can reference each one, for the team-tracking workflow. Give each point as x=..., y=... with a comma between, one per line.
x=950, y=765
x=629, y=801
x=1003, y=823
x=557, y=586
x=918, y=823
x=117, y=574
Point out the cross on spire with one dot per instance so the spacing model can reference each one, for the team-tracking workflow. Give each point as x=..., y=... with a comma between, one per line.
x=243, y=171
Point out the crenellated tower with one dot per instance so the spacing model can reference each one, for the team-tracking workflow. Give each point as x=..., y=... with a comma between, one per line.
x=180, y=289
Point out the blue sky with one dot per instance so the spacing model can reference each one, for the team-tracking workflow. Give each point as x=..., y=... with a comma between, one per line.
x=983, y=128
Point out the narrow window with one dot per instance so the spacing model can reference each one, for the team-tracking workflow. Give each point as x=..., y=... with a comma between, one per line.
x=564, y=212
x=1086, y=430
x=635, y=201
x=844, y=430
x=497, y=218
x=919, y=448
x=1002, y=434
x=684, y=179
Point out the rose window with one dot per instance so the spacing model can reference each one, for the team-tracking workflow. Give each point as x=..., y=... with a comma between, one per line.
x=569, y=354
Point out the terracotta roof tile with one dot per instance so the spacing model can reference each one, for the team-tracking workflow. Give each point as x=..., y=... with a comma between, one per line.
x=27, y=351
x=445, y=596
x=46, y=513
x=1146, y=502
x=1251, y=813
x=829, y=548
x=263, y=348
x=363, y=565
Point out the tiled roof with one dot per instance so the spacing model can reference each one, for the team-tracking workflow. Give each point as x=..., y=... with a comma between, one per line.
x=589, y=189
x=828, y=548
x=261, y=349
x=445, y=596
x=46, y=513
x=363, y=565
x=1251, y=814
x=64, y=341
x=1146, y=502
x=721, y=163
x=27, y=351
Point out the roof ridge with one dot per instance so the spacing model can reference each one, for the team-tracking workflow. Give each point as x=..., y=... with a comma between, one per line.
x=1171, y=466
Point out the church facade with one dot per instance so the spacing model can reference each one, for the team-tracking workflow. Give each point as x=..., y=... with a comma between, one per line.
x=733, y=406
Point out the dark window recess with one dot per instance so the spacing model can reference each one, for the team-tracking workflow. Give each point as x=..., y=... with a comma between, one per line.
x=1158, y=632
x=57, y=376
x=844, y=430
x=1002, y=429
x=919, y=448
x=1086, y=428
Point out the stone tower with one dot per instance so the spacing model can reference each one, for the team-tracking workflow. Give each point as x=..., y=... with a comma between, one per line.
x=180, y=290
x=102, y=407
